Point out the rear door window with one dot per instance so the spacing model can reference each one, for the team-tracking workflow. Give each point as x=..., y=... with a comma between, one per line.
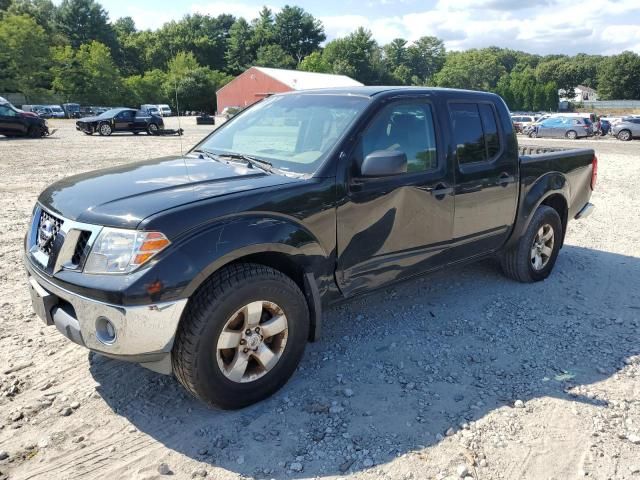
x=475, y=132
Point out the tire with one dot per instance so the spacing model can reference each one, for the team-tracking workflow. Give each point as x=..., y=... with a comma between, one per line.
x=104, y=129
x=624, y=135
x=571, y=135
x=533, y=134
x=518, y=263
x=34, y=132
x=153, y=129
x=199, y=363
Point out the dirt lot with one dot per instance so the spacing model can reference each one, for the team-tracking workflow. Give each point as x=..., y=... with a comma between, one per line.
x=460, y=374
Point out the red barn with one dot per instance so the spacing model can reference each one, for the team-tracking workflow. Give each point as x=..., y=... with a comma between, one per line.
x=259, y=82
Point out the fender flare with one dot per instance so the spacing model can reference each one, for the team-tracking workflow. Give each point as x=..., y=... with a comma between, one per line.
x=552, y=183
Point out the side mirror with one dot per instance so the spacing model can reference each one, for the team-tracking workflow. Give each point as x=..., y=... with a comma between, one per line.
x=384, y=163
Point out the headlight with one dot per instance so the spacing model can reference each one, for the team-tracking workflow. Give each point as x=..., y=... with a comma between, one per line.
x=122, y=251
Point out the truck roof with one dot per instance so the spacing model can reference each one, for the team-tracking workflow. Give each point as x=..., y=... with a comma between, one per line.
x=371, y=91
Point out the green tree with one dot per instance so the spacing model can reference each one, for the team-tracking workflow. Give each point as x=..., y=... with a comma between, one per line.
x=88, y=75
x=619, y=76
x=356, y=55
x=315, y=62
x=84, y=21
x=239, y=55
x=263, y=29
x=147, y=88
x=24, y=55
x=42, y=11
x=472, y=69
x=298, y=32
x=425, y=57
x=274, y=56
x=194, y=85
x=395, y=53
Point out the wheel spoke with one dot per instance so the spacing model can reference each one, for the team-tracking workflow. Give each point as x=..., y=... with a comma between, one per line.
x=237, y=368
x=274, y=326
x=229, y=339
x=266, y=357
x=547, y=236
x=540, y=235
x=546, y=251
x=253, y=313
x=537, y=262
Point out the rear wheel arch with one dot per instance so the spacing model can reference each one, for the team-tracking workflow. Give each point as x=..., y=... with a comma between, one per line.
x=559, y=203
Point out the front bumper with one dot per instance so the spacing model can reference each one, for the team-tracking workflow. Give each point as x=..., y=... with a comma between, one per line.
x=143, y=334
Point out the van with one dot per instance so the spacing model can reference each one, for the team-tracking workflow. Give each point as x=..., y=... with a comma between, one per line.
x=165, y=110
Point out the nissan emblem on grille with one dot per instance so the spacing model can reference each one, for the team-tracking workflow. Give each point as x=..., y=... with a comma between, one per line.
x=47, y=232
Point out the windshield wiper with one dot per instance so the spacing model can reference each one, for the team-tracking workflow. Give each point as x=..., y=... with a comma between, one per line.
x=250, y=160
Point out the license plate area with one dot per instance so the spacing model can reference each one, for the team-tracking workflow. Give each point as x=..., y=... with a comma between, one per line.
x=42, y=301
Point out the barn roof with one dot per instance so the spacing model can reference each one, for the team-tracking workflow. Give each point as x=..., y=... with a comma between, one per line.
x=299, y=80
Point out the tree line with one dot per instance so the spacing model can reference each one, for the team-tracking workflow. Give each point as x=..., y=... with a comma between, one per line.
x=74, y=52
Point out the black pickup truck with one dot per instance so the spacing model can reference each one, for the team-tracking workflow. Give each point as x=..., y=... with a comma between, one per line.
x=216, y=265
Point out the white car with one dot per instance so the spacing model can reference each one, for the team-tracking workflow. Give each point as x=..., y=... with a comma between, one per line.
x=165, y=110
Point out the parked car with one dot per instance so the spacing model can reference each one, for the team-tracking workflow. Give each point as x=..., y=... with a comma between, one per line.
x=150, y=109
x=216, y=266
x=43, y=111
x=56, y=111
x=521, y=122
x=165, y=110
x=627, y=129
x=71, y=110
x=121, y=120
x=563, y=127
x=228, y=112
x=18, y=123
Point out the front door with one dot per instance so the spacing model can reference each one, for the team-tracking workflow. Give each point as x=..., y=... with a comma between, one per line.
x=396, y=226
x=10, y=124
x=486, y=179
x=124, y=121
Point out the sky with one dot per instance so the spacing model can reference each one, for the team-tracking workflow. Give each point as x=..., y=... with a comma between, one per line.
x=536, y=26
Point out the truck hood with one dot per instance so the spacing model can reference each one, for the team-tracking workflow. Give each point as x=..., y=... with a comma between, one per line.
x=123, y=196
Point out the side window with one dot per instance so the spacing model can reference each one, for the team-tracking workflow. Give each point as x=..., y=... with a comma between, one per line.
x=490, y=127
x=7, y=112
x=467, y=132
x=404, y=127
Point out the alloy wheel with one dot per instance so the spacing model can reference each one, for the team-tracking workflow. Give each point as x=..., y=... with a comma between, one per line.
x=542, y=247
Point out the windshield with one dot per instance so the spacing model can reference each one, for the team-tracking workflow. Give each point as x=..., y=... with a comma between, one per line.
x=109, y=113
x=292, y=132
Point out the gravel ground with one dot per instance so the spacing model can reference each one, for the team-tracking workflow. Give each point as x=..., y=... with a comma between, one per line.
x=462, y=374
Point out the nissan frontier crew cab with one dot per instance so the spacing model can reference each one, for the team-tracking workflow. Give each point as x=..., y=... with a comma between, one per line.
x=215, y=266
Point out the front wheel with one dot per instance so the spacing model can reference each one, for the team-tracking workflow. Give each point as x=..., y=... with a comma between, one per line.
x=572, y=135
x=105, y=129
x=242, y=336
x=533, y=134
x=624, y=135
x=533, y=258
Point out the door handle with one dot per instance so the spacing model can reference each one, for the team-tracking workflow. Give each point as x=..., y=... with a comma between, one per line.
x=505, y=179
x=440, y=191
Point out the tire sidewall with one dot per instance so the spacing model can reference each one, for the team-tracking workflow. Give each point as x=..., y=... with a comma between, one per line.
x=544, y=215
x=106, y=134
x=211, y=381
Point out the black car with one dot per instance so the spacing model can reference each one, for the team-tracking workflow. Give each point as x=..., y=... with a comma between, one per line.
x=16, y=123
x=121, y=120
x=216, y=265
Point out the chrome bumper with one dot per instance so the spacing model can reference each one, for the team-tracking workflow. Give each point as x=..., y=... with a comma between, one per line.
x=143, y=334
x=586, y=211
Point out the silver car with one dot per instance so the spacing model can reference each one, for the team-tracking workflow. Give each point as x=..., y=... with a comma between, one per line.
x=563, y=127
x=626, y=129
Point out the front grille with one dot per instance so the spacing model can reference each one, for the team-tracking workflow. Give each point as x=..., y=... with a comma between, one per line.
x=48, y=229
x=82, y=248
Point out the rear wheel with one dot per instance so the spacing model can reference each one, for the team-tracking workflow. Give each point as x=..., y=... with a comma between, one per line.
x=624, y=135
x=533, y=258
x=242, y=336
x=572, y=135
x=105, y=129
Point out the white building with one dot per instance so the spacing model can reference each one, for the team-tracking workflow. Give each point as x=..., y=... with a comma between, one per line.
x=582, y=94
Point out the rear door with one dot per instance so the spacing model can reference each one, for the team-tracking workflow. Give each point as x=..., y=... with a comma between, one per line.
x=486, y=172
x=124, y=120
x=397, y=226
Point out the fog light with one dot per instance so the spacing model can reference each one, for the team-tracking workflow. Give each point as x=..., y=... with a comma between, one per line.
x=105, y=330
